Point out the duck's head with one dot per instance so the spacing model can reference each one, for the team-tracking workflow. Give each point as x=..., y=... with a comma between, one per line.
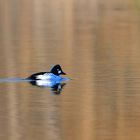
x=57, y=70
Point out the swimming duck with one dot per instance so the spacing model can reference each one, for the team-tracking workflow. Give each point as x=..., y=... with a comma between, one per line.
x=53, y=75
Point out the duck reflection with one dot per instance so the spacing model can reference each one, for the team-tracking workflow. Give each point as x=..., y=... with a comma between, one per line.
x=56, y=88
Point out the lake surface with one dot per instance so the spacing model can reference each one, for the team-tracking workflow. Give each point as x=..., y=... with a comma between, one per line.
x=96, y=43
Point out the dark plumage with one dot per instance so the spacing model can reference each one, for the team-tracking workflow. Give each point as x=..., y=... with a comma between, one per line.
x=56, y=70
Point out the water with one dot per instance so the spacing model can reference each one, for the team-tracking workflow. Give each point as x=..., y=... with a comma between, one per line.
x=97, y=44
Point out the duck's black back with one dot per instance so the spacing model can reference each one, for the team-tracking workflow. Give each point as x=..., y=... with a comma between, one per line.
x=34, y=76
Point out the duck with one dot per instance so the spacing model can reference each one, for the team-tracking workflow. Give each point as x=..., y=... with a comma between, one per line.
x=52, y=76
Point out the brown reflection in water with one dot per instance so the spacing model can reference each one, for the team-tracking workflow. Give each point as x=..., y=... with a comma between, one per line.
x=97, y=43
x=117, y=73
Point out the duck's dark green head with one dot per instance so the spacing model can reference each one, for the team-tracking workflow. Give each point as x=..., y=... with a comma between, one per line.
x=57, y=70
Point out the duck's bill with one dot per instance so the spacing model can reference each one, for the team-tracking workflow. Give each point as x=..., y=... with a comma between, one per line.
x=63, y=73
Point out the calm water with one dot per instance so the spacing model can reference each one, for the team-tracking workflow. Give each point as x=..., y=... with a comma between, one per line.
x=97, y=43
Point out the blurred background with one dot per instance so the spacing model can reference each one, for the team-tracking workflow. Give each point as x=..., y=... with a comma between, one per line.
x=97, y=44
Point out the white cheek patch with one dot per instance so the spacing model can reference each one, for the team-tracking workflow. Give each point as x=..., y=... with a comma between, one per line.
x=59, y=71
